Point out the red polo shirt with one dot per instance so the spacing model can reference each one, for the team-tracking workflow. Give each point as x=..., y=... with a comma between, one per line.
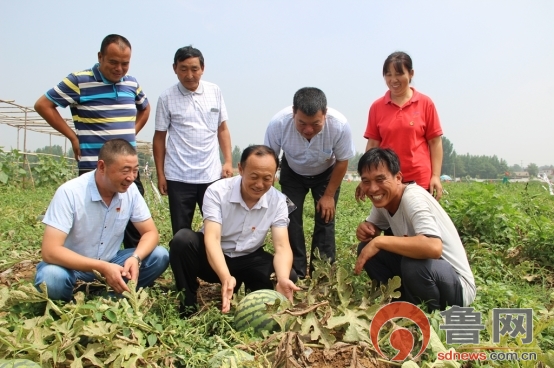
x=406, y=131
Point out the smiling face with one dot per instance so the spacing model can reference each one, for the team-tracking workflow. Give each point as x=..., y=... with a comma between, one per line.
x=117, y=176
x=398, y=83
x=257, y=177
x=114, y=63
x=308, y=126
x=382, y=188
x=189, y=72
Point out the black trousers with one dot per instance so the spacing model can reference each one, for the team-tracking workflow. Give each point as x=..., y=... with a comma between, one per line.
x=188, y=260
x=296, y=187
x=131, y=237
x=430, y=281
x=183, y=198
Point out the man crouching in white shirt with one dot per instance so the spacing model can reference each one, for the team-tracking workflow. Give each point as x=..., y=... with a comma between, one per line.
x=238, y=213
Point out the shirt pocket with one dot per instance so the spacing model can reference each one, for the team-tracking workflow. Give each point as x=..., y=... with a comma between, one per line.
x=119, y=226
x=324, y=157
x=212, y=119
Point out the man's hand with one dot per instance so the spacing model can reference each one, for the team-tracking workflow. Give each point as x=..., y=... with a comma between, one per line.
x=326, y=205
x=227, y=171
x=131, y=269
x=227, y=288
x=162, y=185
x=287, y=288
x=360, y=194
x=114, y=274
x=76, y=149
x=369, y=251
x=435, y=187
x=366, y=231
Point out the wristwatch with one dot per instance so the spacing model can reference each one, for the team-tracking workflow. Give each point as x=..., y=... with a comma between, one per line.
x=137, y=258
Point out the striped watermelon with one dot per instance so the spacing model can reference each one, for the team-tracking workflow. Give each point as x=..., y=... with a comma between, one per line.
x=252, y=310
x=19, y=363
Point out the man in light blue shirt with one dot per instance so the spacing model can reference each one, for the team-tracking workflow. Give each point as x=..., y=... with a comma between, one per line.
x=85, y=224
x=317, y=143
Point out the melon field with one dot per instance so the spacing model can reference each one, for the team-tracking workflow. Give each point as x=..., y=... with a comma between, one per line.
x=508, y=232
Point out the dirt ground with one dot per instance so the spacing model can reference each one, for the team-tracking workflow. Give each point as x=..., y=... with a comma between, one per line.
x=18, y=272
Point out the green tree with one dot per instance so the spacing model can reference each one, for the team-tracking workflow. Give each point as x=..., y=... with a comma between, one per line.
x=52, y=150
x=533, y=169
x=353, y=162
x=448, y=157
x=237, y=152
x=515, y=168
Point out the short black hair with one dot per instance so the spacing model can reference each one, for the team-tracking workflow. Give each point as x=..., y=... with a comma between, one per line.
x=309, y=100
x=188, y=52
x=113, y=38
x=115, y=147
x=379, y=156
x=258, y=150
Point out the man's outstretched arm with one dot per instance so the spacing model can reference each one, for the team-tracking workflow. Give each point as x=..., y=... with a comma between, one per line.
x=212, y=240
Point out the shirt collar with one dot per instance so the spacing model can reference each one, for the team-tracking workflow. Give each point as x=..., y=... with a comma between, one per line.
x=93, y=188
x=236, y=197
x=415, y=96
x=99, y=77
x=186, y=92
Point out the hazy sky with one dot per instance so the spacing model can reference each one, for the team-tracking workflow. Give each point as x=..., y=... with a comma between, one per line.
x=487, y=65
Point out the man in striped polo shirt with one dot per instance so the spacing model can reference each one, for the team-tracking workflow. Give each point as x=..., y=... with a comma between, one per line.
x=105, y=104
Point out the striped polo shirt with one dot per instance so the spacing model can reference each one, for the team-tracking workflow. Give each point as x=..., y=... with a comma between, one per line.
x=101, y=110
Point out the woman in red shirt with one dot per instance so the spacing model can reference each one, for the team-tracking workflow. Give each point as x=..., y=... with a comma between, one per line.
x=407, y=122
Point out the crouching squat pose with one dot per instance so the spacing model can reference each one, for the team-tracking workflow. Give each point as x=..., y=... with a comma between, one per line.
x=425, y=251
x=238, y=213
x=85, y=223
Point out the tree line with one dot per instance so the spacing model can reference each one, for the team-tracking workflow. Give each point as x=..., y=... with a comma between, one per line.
x=453, y=164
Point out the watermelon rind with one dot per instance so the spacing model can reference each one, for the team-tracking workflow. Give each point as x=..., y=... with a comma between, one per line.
x=252, y=311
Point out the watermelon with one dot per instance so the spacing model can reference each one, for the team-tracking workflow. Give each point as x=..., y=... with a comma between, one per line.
x=256, y=309
x=19, y=363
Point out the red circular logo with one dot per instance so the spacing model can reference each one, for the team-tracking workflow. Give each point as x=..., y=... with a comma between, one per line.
x=401, y=339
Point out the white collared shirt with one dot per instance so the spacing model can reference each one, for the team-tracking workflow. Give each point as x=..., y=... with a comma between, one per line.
x=191, y=120
x=313, y=157
x=93, y=229
x=243, y=230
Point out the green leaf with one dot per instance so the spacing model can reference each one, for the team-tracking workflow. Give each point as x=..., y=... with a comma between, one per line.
x=111, y=316
x=344, y=286
x=357, y=324
x=389, y=290
x=152, y=340
x=91, y=351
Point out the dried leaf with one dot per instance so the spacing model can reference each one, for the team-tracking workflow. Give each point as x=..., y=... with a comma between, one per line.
x=317, y=332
